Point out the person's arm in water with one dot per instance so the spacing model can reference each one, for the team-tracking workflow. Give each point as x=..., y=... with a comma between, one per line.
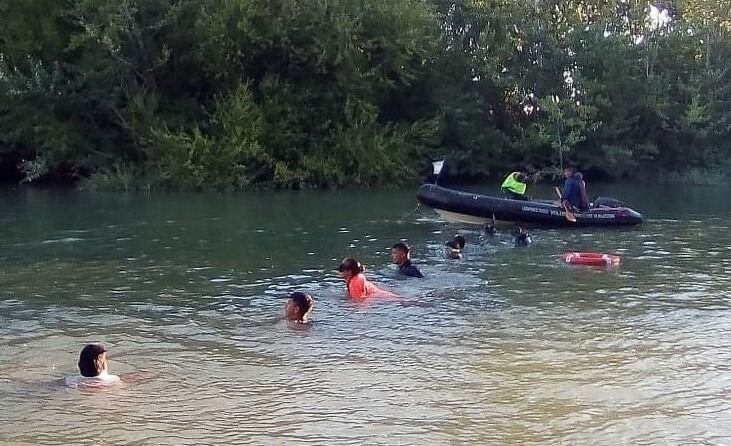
x=137, y=377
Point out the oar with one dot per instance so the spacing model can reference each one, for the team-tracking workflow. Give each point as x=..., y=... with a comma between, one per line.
x=567, y=213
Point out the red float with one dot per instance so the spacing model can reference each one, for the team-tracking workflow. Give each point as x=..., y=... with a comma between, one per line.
x=591, y=259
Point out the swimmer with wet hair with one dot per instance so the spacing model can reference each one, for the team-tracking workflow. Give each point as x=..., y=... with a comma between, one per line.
x=455, y=247
x=94, y=368
x=521, y=237
x=298, y=307
x=401, y=256
x=356, y=285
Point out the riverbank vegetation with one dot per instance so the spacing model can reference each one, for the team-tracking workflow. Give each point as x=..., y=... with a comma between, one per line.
x=193, y=94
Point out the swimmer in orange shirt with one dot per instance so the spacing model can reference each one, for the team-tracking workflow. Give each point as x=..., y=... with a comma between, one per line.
x=356, y=285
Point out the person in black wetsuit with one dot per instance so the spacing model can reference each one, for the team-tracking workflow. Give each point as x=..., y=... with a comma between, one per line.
x=521, y=237
x=401, y=256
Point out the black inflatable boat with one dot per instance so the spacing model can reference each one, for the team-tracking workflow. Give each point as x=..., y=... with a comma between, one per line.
x=479, y=209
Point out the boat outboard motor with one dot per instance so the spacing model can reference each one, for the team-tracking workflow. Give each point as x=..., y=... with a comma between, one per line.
x=607, y=202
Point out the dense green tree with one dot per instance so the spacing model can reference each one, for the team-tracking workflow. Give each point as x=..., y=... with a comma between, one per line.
x=239, y=93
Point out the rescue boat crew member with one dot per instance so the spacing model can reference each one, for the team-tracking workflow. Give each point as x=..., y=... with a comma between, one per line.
x=574, y=190
x=514, y=186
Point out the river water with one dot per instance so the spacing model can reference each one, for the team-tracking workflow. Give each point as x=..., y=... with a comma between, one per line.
x=508, y=346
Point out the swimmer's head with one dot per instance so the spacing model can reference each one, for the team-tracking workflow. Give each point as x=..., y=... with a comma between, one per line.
x=521, y=237
x=350, y=268
x=455, y=247
x=93, y=360
x=400, y=253
x=459, y=241
x=298, y=307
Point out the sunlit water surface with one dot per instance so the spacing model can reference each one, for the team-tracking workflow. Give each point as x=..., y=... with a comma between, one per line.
x=508, y=346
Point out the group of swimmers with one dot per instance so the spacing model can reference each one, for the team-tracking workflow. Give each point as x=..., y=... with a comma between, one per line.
x=299, y=305
x=94, y=363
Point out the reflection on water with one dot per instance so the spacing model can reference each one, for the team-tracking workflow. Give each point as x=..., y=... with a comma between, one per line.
x=508, y=346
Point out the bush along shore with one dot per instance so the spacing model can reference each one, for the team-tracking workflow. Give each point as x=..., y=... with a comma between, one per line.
x=210, y=94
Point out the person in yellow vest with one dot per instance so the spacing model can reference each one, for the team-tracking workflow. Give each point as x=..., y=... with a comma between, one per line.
x=515, y=185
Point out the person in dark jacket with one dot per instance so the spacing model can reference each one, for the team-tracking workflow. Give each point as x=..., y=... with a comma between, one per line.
x=401, y=256
x=574, y=189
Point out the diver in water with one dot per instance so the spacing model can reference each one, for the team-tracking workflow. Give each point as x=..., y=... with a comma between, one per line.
x=401, y=256
x=489, y=230
x=455, y=247
x=521, y=237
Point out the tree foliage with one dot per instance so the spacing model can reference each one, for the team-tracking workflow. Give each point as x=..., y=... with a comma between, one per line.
x=224, y=94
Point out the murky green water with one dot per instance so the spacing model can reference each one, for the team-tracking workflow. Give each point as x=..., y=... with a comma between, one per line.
x=508, y=346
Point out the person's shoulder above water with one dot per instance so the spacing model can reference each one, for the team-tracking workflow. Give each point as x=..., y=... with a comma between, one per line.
x=407, y=269
x=401, y=256
x=94, y=371
x=102, y=380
